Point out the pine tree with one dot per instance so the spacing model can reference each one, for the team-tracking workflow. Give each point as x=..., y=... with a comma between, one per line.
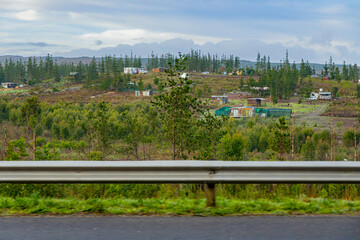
x=177, y=108
x=337, y=74
x=345, y=72
x=326, y=69
x=92, y=72
x=102, y=66
x=2, y=74
x=257, y=66
x=56, y=73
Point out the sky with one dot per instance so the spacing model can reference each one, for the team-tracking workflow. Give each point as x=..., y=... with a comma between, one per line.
x=309, y=30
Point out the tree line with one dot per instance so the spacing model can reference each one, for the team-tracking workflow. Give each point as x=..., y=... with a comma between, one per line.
x=34, y=71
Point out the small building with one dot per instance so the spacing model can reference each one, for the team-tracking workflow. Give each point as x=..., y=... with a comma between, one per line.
x=159, y=69
x=223, y=111
x=131, y=70
x=314, y=96
x=146, y=93
x=255, y=101
x=238, y=112
x=8, y=85
x=221, y=99
x=324, y=95
x=142, y=71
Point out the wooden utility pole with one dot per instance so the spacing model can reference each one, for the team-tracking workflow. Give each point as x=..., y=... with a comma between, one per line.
x=210, y=195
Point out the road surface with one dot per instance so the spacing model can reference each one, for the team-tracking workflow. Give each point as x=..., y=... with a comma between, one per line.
x=108, y=227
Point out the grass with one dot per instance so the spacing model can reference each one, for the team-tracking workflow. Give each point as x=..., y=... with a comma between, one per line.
x=12, y=91
x=13, y=206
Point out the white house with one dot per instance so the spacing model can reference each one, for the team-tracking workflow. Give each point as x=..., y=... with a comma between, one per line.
x=324, y=95
x=146, y=93
x=314, y=96
x=8, y=85
x=131, y=70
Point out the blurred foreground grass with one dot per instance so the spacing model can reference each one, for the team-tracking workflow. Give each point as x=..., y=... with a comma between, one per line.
x=153, y=206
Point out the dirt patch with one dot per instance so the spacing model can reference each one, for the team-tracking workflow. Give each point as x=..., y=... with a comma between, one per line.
x=345, y=114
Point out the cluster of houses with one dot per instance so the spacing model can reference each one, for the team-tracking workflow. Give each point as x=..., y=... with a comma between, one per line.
x=224, y=99
x=251, y=111
x=133, y=70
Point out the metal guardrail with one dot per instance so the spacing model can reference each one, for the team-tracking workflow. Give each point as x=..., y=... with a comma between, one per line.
x=178, y=172
x=209, y=172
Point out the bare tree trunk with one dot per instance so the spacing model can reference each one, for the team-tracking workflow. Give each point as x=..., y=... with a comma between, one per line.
x=34, y=145
x=5, y=136
x=136, y=152
x=144, y=151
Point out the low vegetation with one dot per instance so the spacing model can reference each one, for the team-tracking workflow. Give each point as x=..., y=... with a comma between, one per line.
x=184, y=206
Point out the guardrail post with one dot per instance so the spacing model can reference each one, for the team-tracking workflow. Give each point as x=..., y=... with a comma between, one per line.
x=210, y=195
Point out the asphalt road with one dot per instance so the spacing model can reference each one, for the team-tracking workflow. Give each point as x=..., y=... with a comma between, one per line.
x=252, y=228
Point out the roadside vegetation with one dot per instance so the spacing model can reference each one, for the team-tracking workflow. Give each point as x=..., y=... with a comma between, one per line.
x=184, y=206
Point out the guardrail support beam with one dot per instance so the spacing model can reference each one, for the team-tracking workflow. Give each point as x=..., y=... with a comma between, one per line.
x=210, y=195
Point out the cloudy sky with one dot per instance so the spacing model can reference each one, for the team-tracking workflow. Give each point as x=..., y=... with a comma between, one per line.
x=312, y=30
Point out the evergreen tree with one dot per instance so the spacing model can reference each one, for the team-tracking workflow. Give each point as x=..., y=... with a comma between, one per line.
x=281, y=140
x=56, y=73
x=337, y=74
x=326, y=69
x=345, y=73
x=177, y=108
x=141, y=85
x=92, y=72
x=2, y=74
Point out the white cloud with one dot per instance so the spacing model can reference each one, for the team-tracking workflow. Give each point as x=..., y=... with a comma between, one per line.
x=21, y=5
x=333, y=9
x=133, y=36
x=321, y=48
x=28, y=15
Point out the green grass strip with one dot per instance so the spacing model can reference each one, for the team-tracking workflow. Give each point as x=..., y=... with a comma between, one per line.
x=11, y=206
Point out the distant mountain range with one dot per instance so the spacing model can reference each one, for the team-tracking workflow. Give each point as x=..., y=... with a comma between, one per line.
x=144, y=50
